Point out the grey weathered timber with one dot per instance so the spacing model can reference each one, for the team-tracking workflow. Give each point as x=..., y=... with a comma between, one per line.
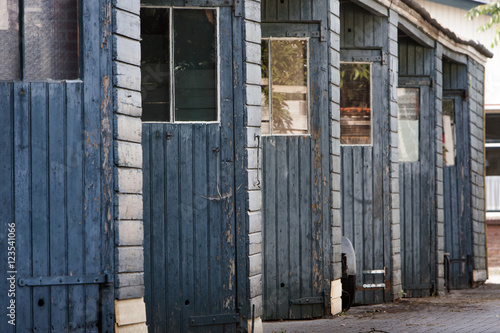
x=297, y=236
x=456, y=178
x=417, y=179
x=365, y=178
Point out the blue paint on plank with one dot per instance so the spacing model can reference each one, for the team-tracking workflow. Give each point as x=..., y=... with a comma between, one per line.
x=22, y=199
x=7, y=217
x=57, y=202
x=174, y=301
x=40, y=202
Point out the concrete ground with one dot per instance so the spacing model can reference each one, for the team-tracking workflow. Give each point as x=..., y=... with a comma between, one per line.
x=470, y=310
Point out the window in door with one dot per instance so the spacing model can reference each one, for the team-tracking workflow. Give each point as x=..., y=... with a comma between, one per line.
x=285, y=86
x=448, y=132
x=179, y=65
x=39, y=39
x=408, y=124
x=355, y=104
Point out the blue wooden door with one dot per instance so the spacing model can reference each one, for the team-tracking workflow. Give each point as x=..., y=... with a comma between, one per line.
x=296, y=200
x=365, y=190
x=56, y=208
x=456, y=191
x=190, y=231
x=417, y=195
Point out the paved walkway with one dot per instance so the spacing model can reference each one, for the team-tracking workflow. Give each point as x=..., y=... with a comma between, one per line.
x=471, y=310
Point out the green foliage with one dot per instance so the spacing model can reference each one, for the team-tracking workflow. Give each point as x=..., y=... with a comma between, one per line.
x=493, y=10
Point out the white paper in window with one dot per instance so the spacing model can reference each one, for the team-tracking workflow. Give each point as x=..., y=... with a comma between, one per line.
x=408, y=120
x=4, y=15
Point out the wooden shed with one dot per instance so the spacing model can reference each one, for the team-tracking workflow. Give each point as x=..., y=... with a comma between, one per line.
x=125, y=204
x=399, y=192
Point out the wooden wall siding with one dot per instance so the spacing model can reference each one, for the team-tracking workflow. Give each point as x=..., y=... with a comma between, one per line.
x=292, y=10
x=454, y=76
x=417, y=180
x=52, y=189
x=457, y=179
x=190, y=231
x=365, y=173
x=360, y=29
x=297, y=234
x=476, y=93
x=414, y=60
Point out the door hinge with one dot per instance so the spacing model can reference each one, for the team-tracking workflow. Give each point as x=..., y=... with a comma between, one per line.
x=238, y=8
x=229, y=318
x=65, y=280
x=325, y=300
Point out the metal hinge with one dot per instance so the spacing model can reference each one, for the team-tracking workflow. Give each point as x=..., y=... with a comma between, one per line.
x=238, y=8
x=229, y=318
x=325, y=300
x=65, y=280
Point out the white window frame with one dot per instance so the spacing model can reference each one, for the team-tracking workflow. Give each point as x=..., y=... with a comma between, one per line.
x=371, y=106
x=271, y=86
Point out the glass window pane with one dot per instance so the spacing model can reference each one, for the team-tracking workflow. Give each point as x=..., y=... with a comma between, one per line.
x=492, y=161
x=492, y=127
x=289, y=87
x=355, y=104
x=408, y=116
x=155, y=64
x=448, y=132
x=9, y=40
x=195, y=65
x=51, y=39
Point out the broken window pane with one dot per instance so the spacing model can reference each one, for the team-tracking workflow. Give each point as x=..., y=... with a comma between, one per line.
x=448, y=132
x=355, y=103
x=195, y=65
x=9, y=40
x=286, y=109
x=155, y=64
x=51, y=39
x=408, y=121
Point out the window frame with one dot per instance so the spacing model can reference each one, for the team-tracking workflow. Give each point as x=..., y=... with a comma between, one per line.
x=171, y=92
x=419, y=89
x=21, y=47
x=453, y=98
x=371, y=107
x=308, y=39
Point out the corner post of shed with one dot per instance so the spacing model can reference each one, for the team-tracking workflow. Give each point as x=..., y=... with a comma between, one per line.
x=130, y=309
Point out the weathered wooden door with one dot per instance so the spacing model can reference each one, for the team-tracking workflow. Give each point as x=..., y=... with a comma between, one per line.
x=296, y=183
x=416, y=186
x=56, y=167
x=56, y=203
x=456, y=188
x=365, y=178
x=190, y=234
